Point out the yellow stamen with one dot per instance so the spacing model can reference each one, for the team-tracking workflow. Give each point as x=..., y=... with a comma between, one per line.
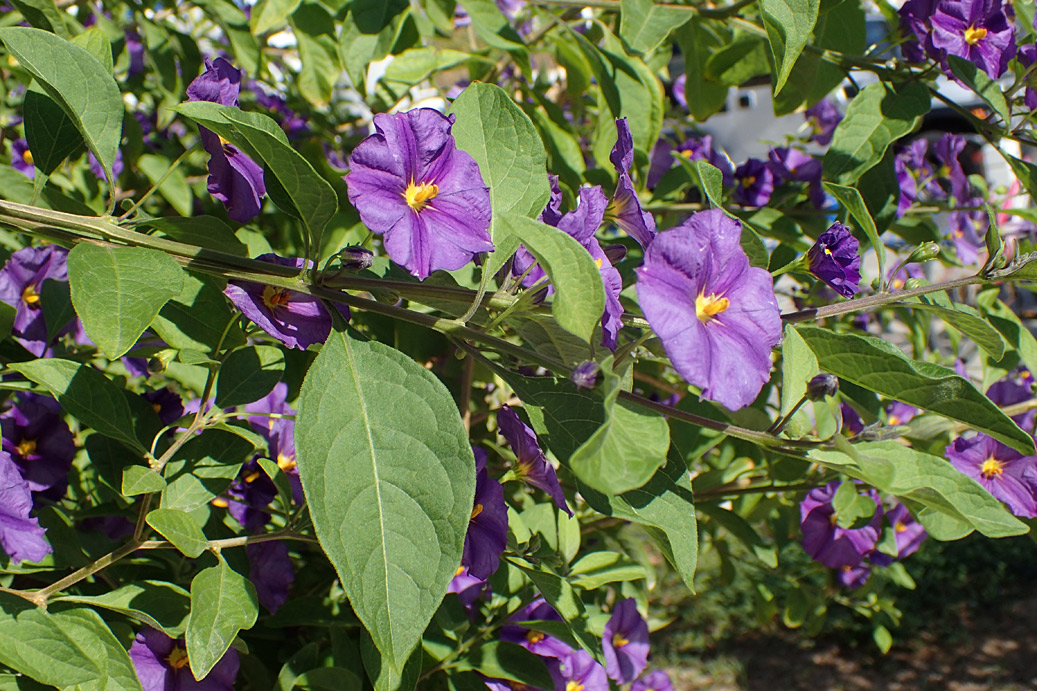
x=991, y=468
x=706, y=308
x=476, y=511
x=275, y=297
x=894, y=420
x=899, y=527
x=748, y=181
x=285, y=462
x=535, y=636
x=219, y=502
x=27, y=447
x=252, y=477
x=156, y=407
x=618, y=641
x=828, y=252
x=974, y=35
x=574, y=686
x=30, y=297
x=460, y=570
x=597, y=263
x=177, y=659
x=27, y=157
x=418, y=196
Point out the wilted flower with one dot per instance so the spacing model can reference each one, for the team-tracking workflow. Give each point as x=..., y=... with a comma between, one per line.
x=625, y=207
x=625, y=642
x=823, y=118
x=488, y=528
x=295, y=319
x=161, y=664
x=21, y=158
x=754, y=183
x=717, y=316
x=40, y=443
x=1003, y=471
x=824, y=540
x=653, y=681
x=411, y=183
x=532, y=465
x=835, y=258
x=579, y=671
x=234, y=178
x=270, y=570
x=976, y=30
x=20, y=536
x=21, y=283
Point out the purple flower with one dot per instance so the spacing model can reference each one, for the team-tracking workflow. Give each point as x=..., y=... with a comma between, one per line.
x=161, y=665
x=1027, y=56
x=467, y=587
x=532, y=465
x=694, y=149
x=40, y=443
x=625, y=642
x=578, y=671
x=793, y=165
x=717, y=317
x=976, y=30
x=295, y=319
x=249, y=496
x=292, y=123
x=282, y=451
x=21, y=281
x=835, y=258
x=586, y=375
x=411, y=183
x=947, y=149
x=853, y=577
x=625, y=208
x=907, y=184
x=824, y=540
x=968, y=229
x=20, y=536
x=532, y=640
x=266, y=409
x=910, y=534
x=653, y=681
x=270, y=570
x=1015, y=388
x=168, y=405
x=678, y=91
x=1003, y=471
x=823, y=119
x=488, y=528
x=234, y=178
x=754, y=183
x=915, y=17
x=899, y=275
x=135, y=49
x=900, y=413
x=97, y=169
x=21, y=158
x=852, y=422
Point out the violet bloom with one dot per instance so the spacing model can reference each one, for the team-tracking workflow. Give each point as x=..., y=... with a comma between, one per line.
x=234, y=178
x=907, y=184
x=625, y=642
x=467, y=587
x=900, y=275
x=853, y=577
x=20, y=535
x=21, y=282
x=532, y=465
x=915, y=18
x=693, y=149
x=410, y=182
x=488, y=528
x=579, y=671
x=678, y=91
x=823, y=119
x=625, y=208
x=947, y=150
x=1003, y=471
x=270, y=570
x=135, y=49
x=270, y=408
x=910, y=534
x=852, y=423
x=835, y=258
x=295, y=319
x=653, y=681
x=40, y=443
x=968, y=230
x=793, y=165
x=21, y=158
x=976, y=30
x=282, y=451
x=1017, y=387
x=1027, y=56
x=900, y=413
x=828, y=543
x=248, y=497
x=161, y=664
x=532, y=640
x=754, y=183
x=292, y=123
x=98, y=170
x=168, y=405
x=717, y=316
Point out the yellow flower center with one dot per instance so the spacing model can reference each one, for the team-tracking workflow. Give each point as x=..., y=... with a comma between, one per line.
x=597, y=263
x=706, y=308
x=991, y=468
x=748, y=181
x=178, y=658
x=899, y=527
x=418, y=196
x=219, y=502
x=30, y=297
x=618, y=641
x=828, y=252
x=285, y=462
x=535, y=636
x=275, y=297
x=460, y=570
x=27, y=447
x=974, y=35
x=894, y=420
x=686, y=153
x=27, y=157
x=574, y=686
x=476, y=511
x=252, y=477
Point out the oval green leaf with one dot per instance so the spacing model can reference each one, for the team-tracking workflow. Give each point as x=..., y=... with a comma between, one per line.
x=248, y=374
x=223, y=602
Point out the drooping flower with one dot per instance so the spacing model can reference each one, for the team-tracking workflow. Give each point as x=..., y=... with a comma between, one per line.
x=20, y=535
x=295, y=319
x=21, y=283
x=977, y=30
x=234, y=178
x=532, y=464
x=40, y=443
x=488, y=528
x=717, y=316
x=625, y=208
x=754, y=183
x=835, y=258
x=410, y=183
x=828, y=543
x=270, y=570
x=625, y=642
x=579, y=671
x=161, y=664
x=1003, y=471
x=657, y=680
x=21, y=158
x=532, y=640
x=823, y=117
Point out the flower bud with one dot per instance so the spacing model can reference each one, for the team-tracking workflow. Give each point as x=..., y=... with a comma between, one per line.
x=914, y=283
x=160, y=360
x=615, y=253
x=356, y=258
x=822, y=386
x=539, y=296
x=924, y=252
x=586, y=375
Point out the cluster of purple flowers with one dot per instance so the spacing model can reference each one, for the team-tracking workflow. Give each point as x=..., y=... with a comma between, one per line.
x=979, y=31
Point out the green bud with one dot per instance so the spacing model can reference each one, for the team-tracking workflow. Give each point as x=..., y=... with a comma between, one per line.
x=915, y=283
x=927, y=251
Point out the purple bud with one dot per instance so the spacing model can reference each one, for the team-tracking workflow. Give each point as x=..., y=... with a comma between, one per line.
x=356, y=258
x=822, y=386
x=586, y=375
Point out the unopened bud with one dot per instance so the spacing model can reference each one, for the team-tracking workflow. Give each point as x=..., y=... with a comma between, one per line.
x=927, y=251
x=539, y=296
x=158, y=362
x=615, y=253
x=356, y=258
x=822, y=386
x=586, y=375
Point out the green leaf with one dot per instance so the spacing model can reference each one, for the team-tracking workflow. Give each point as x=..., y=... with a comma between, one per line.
x=389, y=477
x=504, y=660
x=180, y=529
x=118, y=292
x=7, y=315
x=86, y=395
x=1026, y=172
x=969, y=322
x=875, y=118
x=67, y=647
x=52, y=135
x=789, y=24
x=984, y=87
x=43, y=14
x=741, y=530
x=645, y=24
x=503, y=141
x=56, y=305
x=368, y=33
x=1018, y=337
x=880, y=366
x=928, y=480
x=223, y=602
x=203, y=231
x=850, y=198
x=77, y=82
x=196, y=319
x=203, y=469
x=706, y=177
x=798, y=366
x=314, y=29
x=579, y=297
x=98, y=45
x=596, y=569
x=494, y=28
x=270, y=15
x=174, y=188
x=561, y=596
x=744, y=58
x=137, y=479
x=161, y=605
x=698, y=40
x=248, y=374
x=418, y=64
